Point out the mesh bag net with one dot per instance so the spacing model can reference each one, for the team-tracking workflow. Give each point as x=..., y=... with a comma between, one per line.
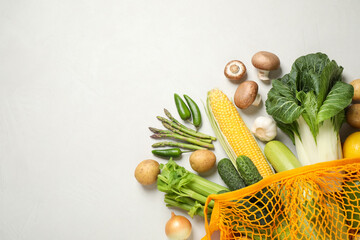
x=320, y=201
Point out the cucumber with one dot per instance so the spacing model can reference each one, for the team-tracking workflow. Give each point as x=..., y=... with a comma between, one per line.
x=248, y=170
x=352, y=203
x=230, y=175
x=253, y=208
x=280, y=156
x=256, y=206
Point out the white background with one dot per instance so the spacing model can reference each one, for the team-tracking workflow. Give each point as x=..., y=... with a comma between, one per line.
x=81, y=82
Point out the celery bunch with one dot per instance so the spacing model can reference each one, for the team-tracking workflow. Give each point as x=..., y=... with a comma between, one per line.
x=185, y=189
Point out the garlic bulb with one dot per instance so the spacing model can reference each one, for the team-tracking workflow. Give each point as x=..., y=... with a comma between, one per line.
x=264, y=128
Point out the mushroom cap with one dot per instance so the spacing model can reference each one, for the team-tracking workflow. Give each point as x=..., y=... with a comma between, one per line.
x=245, y=94
x=265, y=61
x=235, y=70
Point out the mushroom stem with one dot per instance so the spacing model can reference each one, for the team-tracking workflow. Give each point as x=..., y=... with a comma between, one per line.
x=257, y=100
x=263, y=75
x=234, y=69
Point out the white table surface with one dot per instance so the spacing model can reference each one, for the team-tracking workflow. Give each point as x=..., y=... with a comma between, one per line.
x=81, y=82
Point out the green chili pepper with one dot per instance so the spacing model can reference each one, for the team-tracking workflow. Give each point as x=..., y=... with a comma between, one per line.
x=182, y=109
x=195, y=111
x=171, y=152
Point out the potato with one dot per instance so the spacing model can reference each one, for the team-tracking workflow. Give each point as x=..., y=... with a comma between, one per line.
x=356, y=84
x=353, y=115
x=147, y=171
x=202, y=160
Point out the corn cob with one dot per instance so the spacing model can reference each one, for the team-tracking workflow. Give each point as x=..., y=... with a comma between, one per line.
x=232, y=132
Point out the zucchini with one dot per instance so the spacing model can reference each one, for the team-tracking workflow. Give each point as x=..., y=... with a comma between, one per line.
x=248, y=170
x=280, y=156
x=230, y=175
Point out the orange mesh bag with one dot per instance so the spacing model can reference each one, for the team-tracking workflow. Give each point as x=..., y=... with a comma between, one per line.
x=320, y=201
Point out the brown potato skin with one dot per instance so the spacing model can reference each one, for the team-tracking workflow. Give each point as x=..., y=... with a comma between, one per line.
x=353, y=115
x=202, y=160
x=356, y=85
x=147, y=171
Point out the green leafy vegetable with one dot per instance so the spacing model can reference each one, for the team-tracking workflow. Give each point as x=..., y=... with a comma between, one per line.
x=185, y=189
x=308, y=105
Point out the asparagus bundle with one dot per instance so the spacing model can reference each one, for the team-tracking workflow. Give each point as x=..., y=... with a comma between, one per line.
x=187, y=138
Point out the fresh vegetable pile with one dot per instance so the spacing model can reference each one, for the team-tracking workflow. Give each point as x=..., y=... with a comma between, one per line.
x=309, y=104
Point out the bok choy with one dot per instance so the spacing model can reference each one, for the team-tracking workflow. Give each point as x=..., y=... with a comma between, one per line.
x=308, y=105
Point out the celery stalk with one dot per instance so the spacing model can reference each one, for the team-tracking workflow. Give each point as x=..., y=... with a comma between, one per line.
x=184, y=188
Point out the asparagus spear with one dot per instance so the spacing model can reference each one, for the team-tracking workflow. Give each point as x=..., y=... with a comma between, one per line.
x=174, y=130
x=185, y=129
x=168, y=114
x=186, y=139
x=177, y=144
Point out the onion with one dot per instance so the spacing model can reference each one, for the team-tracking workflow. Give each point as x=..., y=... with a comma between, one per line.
x=178, y=227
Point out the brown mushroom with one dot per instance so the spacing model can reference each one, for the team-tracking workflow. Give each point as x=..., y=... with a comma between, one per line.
x=265, y=62
x=356, y=85
x=235, y=70
x=247, y=94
